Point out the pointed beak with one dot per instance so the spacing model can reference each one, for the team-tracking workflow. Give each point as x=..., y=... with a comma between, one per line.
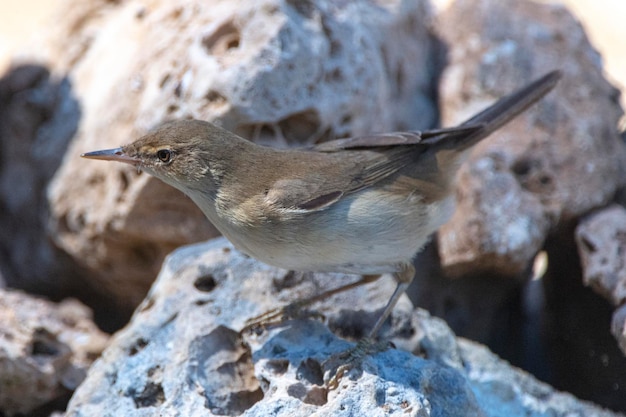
x=116, y=154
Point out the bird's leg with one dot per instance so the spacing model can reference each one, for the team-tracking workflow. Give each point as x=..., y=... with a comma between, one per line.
x=403, y=277
x=281, y=314
x=340, y=363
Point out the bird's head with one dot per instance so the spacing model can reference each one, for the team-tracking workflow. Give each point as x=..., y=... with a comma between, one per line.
x=187, y=154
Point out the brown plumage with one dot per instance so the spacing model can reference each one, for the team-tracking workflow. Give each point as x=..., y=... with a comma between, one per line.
x=362, y=205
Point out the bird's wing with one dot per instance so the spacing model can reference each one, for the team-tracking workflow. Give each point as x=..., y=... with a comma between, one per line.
x=394, y=139
x=312, y=189
x=357, y=163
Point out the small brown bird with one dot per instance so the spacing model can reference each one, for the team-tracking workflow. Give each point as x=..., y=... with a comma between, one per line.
x=364, y=205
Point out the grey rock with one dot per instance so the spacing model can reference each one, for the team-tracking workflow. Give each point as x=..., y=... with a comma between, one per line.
x=508, y=391
x=601, y=240
x=522, y=192
x=45, y=350
x=547, y=168
x=182, y=354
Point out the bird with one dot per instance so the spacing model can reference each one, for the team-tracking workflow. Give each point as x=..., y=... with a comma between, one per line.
x=364, y=205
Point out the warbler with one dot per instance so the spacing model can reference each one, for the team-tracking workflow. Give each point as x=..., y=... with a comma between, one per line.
x=364, y=205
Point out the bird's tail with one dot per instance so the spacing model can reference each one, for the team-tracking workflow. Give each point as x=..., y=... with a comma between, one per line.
x=498, y=114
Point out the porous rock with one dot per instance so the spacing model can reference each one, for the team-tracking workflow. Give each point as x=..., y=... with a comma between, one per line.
x=273, y=71
x=601, y=242
x=45, y=350
x=183, y=354
x=548, y=167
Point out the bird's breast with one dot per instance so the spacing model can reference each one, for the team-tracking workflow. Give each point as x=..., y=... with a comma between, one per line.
x=369, y=232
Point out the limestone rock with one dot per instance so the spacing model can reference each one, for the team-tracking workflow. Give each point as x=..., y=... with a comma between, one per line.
x=548, y=167
x=45, y=350
x=274, y=71
x=522, y=191
x=182, y=353
x=601, y=239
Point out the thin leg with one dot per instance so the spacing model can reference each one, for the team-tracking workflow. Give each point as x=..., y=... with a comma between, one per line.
x=403, y=277
x=339, y=364
x=281, y=314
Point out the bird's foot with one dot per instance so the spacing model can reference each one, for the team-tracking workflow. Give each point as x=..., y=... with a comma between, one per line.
x=280, y=315
x=338, y=364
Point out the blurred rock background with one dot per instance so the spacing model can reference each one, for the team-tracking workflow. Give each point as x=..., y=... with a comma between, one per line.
x=603, y=23
x=532, y=264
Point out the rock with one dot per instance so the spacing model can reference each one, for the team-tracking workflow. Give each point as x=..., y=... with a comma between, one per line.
x=522, y=192
x=45, y=350
x=277, y=72
x=601, y=240
x=509, y=391
x=618, y=327
x=497, y=228
x=300, y=72
x=182, y=353
x=547, y=168
x=393, y=383
x=581, y=355
x=38, y=116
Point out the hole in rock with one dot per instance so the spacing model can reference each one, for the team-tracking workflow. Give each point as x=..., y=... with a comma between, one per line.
x=309, y=395
x=522, y=167
x=310, y=370
x=137, y=346
x=44, y=344
x=223, y=39
x=278, y=366
x=215, y=97
x=152, y=395
x=205, y=283
x=42, y=348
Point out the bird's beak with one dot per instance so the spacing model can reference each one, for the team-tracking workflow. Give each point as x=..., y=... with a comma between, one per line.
x=116, y=154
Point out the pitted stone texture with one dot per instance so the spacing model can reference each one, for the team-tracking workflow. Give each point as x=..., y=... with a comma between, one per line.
x=45, y=350
x=601, y=239
x=548, y=167
x=181, y=354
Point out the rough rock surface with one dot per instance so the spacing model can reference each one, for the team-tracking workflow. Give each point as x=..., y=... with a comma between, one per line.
x=274, y=71
x=522, y=192
x=548, y=167
x=131, y=64
x=182, y=354
x=45, y=350
x=601, y=240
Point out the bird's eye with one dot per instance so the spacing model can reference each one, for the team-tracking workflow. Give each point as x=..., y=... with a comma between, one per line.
x=164, y=155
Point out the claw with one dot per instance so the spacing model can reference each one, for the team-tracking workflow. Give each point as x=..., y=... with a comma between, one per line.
x=352, y=358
